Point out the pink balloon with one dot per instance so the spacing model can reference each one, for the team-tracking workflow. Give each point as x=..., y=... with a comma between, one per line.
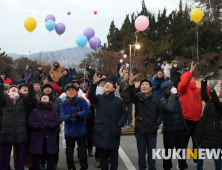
x=124, y=56
x=141, y=23
x=121, y=60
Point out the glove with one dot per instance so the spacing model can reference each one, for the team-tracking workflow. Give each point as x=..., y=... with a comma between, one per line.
x=158, y=85
x=208, y=76
x=70, y=118
x=168, y=92
x=75, y=116
x=212, y=85
x=41, y=126
x=47, y=126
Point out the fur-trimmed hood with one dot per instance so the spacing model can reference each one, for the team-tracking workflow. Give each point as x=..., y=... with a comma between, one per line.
x=155, y=76
x=43, y=106
x=175, y=61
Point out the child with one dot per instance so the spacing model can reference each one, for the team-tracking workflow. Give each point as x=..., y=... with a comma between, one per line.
x=43, y=121
x=37, y=88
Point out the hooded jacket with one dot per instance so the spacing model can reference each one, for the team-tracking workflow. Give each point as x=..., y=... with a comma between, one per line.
x=73, y=74
x=43, y=113
x=176, y=79
x=56, y=73
x=208, y=132
x=75, y=128
x=172, y=111
x=190, y=97
x=55, y=100
x=157, y=91
x=173, y=69
x=166, y=69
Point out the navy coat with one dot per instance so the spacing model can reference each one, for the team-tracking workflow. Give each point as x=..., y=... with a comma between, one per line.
x=111, y=115
x=157, y=91
x=43, y=113
x=24, y=73
x=75, y=128
x=73, y=74
x=172, y=111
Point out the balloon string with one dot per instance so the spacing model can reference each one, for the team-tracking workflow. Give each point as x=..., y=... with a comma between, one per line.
x=136, y=33
x=198, y=60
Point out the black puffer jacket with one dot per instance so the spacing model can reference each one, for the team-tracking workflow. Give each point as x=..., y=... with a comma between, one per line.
x=176, y=79
x=54, y=98
x=91, y=72
x=64, y=80
x=14, y=125
x=148, y=112
x=40, y=74
x=208, y=132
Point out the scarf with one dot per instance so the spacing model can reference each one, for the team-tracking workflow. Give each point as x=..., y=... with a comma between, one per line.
x=71, y=102
x=37, y=94
x=55, y=67
x=50, y=96
x=14, y=96
x=29, y=76
x=40, y=71
x=144, y=97
x=99, y=90
x=126, y=84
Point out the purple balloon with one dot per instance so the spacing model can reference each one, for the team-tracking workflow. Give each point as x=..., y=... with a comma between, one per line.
x=60, y=28
x=49, y=17
x=122, y=52
x=95, y=43
x=89, y=33
x=69, y=13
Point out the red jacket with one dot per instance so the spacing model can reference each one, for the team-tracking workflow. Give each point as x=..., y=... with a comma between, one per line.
x=8, y=81
x=57, y=89
x=190, y=97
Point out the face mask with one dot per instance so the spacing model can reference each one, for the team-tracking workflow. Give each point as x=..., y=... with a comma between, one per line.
x=174, y=90
x=175, y=65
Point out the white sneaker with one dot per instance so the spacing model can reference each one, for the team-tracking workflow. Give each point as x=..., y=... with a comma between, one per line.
x=178, y=166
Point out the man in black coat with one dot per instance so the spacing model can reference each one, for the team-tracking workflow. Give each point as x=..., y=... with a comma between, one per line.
x=148, y=115
x=40, y=73
x=111, y=115
x=65, y=79
x=48, y=90
x=91, y=73
x=176, y=78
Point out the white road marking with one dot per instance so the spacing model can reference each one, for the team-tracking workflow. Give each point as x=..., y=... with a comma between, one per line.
x=126, y=160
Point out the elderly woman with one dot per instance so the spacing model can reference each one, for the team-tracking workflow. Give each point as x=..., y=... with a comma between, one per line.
x=43, y=121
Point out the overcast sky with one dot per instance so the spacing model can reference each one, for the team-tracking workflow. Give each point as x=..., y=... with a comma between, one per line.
x=15, y=39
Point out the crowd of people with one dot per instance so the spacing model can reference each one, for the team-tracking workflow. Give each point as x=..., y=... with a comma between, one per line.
x=93, y=110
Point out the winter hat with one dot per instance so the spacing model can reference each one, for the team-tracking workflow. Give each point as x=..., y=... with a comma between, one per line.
x=4, y=72
x=47, y=85
x=6, y=86
x=101, y=79
x=30, y=67
x=11, y=87
x=111, y=79
x=69, y=85
x=22, y=84
x=66, y=70
x=21, y=81
x=145, y=80
x=56, y=63
x=103, y=74
x=75, y=81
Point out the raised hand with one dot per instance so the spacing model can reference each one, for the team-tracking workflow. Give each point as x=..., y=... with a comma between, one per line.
x=132, y=77
x=192, y=67
x=95, y=79
x=213, y=84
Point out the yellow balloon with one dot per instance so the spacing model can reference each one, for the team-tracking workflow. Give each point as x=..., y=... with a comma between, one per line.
x=196, y=15
x=30, y=24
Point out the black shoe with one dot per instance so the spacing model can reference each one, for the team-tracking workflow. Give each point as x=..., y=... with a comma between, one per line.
x=90, y=153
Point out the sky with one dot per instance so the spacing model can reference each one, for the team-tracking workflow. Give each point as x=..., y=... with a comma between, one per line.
x=14, y=38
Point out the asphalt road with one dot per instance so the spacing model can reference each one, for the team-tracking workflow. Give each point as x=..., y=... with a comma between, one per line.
x=128, y=156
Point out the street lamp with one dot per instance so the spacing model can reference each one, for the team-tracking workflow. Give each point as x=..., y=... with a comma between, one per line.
x=137, y=46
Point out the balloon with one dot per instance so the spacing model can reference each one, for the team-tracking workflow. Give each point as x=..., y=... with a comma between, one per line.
x=81, y=40
x=141, y=23
x=30, y=24
x=60, y=28
x=95, y=43
x=50, y=25
x=89, y=33
x=124, y=56
x=122, y=52
x=121, y=60
x=95, y=12
x=49, y=17
x=69, y=13
x=196, y=15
